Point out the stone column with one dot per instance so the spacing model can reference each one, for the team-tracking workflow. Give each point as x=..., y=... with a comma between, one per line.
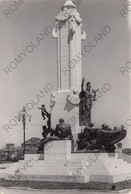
x=72, y=67
x=58, y=63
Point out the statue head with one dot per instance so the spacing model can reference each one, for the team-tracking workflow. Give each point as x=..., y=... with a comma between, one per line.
x=119, y=145
x=74, y=92
x=122, y=127
x=104, y=126
x=61, y=120
x=43, y=106
x=88, y=86
x=90, y=124
x=44, y=127
x=116, y=128
x=68, y=5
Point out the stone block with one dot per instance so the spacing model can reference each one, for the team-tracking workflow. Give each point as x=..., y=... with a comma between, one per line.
x=48, y=178
x=63, y=109
x=61, y=150
x=35, y=157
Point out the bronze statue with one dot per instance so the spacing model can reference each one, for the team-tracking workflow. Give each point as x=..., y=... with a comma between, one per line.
x=62, y=132
x=86, y=98
x=45, y=114
x=47, y=131
x=101, y=139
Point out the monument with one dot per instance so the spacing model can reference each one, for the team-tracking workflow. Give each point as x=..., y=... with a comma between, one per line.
x=58, y=164
x=72, y=102
x=69, y=36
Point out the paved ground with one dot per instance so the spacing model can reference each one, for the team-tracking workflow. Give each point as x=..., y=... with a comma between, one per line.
x=51, y=185
x=70, y=191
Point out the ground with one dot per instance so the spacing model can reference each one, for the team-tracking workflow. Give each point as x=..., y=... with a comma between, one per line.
x=50, y=185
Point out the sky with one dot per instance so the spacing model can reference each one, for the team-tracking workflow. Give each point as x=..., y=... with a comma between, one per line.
x=38, y=69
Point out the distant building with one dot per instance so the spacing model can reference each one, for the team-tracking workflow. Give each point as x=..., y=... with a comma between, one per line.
x=9, y=145
x=31, y=145
x=11, y=152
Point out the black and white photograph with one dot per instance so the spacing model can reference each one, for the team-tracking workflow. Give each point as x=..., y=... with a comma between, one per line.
x=65, y=102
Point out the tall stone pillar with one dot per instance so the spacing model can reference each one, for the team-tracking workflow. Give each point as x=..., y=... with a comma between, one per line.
x=72, y=27
x=69, y=68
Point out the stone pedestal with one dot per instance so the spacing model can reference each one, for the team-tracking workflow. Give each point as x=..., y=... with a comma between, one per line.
x=60, y=165
x=64, y=109
x=60, y=151
x=53, y=168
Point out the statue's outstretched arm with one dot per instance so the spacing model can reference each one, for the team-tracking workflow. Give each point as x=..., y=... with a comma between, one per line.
x=82, y=84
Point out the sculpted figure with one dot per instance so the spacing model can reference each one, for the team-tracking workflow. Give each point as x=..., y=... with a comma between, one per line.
x=86, y=98
x=73, y=97
x=47, y=131
x=102, y=139
x=53, y=100
x=45, y=114
x=69, y=10
x=63, y=131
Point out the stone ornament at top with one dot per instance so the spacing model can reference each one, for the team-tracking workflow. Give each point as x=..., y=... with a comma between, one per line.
x=69, y=10
x=69, y=3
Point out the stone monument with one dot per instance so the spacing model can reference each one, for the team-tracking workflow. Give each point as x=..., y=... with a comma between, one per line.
x=69, y=36
x=58, y=163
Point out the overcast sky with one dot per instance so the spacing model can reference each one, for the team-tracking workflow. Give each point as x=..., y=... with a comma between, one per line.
x=39, y=67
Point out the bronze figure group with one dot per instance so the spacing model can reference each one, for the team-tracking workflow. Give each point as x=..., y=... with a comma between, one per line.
x=91, y=138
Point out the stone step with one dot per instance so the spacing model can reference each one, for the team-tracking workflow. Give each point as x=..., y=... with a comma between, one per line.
x=110, y=165
x=109, y=178
x=55, y=157
x=120, y=166
x=49, y=172
x=50, y=178
x=80, y=156
x=114, y=161
x=105, y=171
x=13, y=167
x=127, y=158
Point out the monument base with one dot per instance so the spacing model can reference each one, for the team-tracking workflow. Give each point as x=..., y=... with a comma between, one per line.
x=60, y=165
x=64, y=109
